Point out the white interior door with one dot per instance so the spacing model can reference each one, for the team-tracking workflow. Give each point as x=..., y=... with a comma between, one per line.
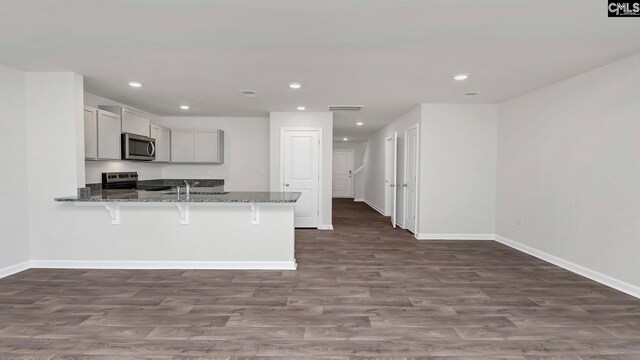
x=411, y=178
x=343, y=173
x=394, y=187
x=301, y=173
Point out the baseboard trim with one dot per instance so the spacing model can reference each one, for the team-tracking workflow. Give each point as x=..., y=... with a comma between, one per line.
x=325, y=227
x=573, y=267
x=14, y=269
x=178, y=265
x=358, y=200
x=374, y=207
x=455, y=236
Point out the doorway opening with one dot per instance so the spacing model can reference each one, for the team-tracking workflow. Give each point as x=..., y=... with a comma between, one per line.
x=342, y=178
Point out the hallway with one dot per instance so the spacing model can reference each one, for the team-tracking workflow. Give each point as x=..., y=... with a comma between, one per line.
x=362, y=291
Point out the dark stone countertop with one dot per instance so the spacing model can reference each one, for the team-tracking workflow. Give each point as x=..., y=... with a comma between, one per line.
x=197, y=195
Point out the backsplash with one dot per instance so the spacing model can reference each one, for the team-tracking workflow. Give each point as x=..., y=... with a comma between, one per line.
x=146, y=171
x=150, y=171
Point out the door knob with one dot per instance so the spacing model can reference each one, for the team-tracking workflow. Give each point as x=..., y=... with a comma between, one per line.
x=286, y=184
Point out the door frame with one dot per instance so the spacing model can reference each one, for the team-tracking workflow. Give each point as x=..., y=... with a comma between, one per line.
x=352, y=169
x=404, y=215
x=388, y=208
x=320, y=164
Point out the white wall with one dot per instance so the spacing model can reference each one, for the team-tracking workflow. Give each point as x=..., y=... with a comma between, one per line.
x=374, y=159
x=569, y=170
x=246, y=152
x=323, y=120
x=458, y=170
x=55, y=156
x=457, y=163
x=14, y=235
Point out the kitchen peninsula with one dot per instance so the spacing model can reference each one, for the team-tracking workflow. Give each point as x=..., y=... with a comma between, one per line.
x=204, y=228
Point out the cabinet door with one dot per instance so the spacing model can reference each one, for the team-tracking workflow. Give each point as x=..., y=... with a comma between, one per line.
x=90, y=133
x=182, y=146
x=142, y=124
x=108, y=135
x=129, y=121
x=206, y=146
x=162, y=136
x=165, y=136
x=154, y=132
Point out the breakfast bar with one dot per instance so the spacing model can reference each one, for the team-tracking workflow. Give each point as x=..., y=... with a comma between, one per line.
x=202, y=229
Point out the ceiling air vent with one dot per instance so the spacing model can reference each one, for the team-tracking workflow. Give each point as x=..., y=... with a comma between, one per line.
x=471, y=94
x=345, y=107
x=248, y=93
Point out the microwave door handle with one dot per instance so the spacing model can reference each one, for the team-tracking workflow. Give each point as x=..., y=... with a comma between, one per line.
x=153, y=149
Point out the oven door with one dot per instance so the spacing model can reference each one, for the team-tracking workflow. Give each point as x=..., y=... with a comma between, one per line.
x=137, y=147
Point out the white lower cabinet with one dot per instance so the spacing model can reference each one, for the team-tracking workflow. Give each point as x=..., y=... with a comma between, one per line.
x=197, y=146
x=163, y=142
x=101, y=135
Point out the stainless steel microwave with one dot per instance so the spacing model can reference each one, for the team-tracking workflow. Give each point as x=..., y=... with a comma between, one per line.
x=138, y=147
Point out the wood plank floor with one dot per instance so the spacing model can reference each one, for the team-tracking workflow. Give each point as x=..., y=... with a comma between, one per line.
x=363, y=291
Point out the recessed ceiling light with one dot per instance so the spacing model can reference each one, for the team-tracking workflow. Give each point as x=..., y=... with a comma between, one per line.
x=248, y=93
x=359, y=123
x=134, y=84
x=184, y=107
x=295, y=85
x=345, y=139
x=301, y=108
x=461, y=77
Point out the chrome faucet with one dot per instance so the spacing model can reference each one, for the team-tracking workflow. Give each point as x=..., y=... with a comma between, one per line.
x=188, y=186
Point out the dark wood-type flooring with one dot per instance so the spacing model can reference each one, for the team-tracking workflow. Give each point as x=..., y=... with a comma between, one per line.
x=363, y=291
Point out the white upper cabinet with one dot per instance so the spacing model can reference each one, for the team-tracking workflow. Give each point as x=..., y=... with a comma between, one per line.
x=101, y=134
x=108, y=135
x=128, y=121
x=197, y=146
x=182, y=146
x=163, y=142
x=133, y=121
x=90, y=133
x=142, y=124
x=206, y=146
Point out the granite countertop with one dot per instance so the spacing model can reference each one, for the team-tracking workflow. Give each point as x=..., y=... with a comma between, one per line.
x=197, y=195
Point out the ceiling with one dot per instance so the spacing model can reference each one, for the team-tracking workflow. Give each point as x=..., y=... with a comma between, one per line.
x=386, y=55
